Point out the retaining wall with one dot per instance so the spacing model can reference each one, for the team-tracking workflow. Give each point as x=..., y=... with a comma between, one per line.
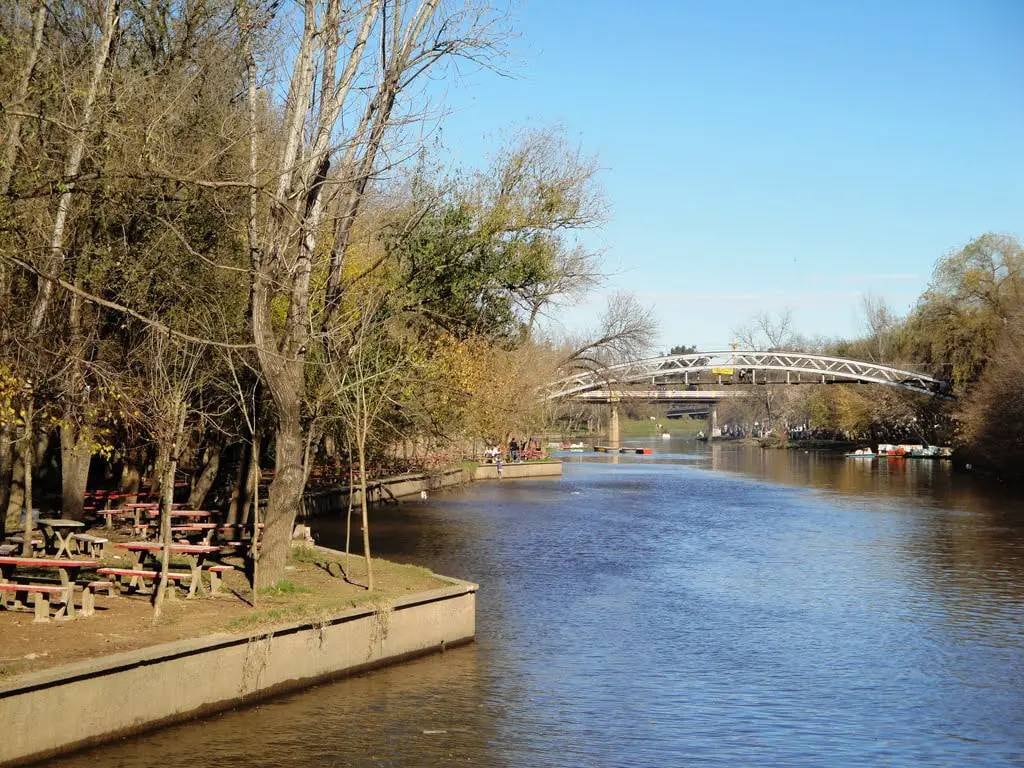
x=512, y=471
x=330, y=500
x=59, y=709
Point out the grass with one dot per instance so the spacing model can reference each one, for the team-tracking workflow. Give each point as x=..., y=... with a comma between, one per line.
x=284, y=587
x=647, y=428
x=308, y=593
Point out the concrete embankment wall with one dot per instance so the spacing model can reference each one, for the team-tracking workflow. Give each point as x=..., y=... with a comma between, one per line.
x=330, y=500
x=514, y=471
x=57, y=710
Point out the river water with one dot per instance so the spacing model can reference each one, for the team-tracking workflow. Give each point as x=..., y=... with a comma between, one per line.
x=721, y=606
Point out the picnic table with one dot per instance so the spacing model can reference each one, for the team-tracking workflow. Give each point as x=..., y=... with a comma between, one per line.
x=67, y=570
x=57, y=533
x=194, y=555
x=186, y=513
x=193, y=529
x=136, y=508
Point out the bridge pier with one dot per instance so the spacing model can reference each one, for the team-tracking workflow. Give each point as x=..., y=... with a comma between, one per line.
x=613, y=425
x=713, y=430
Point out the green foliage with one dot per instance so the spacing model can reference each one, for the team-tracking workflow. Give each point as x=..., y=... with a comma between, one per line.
x=974, y=291
x=283, y=587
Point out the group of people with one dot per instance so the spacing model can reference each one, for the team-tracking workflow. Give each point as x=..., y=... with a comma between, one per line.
x=518, y=450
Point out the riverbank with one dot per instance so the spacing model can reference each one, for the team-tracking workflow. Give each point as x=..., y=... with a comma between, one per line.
x=119, y=672
x=329, y=500
x=807, y=445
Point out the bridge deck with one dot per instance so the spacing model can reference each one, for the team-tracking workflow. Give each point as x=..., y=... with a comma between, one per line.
x=737, y=366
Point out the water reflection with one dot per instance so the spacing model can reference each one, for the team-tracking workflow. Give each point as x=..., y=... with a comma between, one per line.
x=702, y=606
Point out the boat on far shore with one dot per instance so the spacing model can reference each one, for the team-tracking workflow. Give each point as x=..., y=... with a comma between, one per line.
x=861, y=453
x=915, y=451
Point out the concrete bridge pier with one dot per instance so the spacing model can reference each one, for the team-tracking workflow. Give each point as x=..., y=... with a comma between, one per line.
x=613, y=425
x=713, y=430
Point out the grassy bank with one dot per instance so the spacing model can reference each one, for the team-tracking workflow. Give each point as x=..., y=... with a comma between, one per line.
x=647, y=428
x=317, y=583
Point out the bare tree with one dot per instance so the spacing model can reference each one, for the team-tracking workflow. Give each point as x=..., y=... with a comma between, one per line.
x=311, y=165
x=365, y=369
x=171, y=378
x=625, y=332
x=73, y=162
x=767, y=331
x=879, y=321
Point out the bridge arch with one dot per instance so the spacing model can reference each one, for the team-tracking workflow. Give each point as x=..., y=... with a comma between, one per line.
x=685, y=369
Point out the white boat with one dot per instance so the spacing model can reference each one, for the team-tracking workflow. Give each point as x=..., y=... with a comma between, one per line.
x=863, y=453
x=577, y=448
x=666, y=436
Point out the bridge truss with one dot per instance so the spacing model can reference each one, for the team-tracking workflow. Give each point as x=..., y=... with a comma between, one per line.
x=734, y=366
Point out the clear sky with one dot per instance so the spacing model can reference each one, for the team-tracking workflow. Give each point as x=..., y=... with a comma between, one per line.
x=763, y=155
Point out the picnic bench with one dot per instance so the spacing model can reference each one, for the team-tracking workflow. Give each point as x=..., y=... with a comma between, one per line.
x=40, y=594
x=88, y=544
x=193, y=554
x=136, y=576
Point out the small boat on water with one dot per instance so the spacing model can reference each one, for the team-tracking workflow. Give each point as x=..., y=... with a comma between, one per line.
x=861, y=453
x=666, y=436
x=577, y=448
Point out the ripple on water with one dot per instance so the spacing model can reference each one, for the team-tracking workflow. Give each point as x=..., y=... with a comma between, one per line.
x=712, y=607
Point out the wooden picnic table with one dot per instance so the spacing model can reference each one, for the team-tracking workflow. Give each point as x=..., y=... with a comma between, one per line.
x=68, y=571
x=57, y=533
x=194, y=554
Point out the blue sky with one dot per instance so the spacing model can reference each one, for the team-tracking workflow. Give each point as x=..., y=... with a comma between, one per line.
x=763, y=155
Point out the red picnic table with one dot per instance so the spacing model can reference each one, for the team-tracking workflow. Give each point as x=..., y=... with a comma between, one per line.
x=194, y=555
x=191, y=529
x=68, y=571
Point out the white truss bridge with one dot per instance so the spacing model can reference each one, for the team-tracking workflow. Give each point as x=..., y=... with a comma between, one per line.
x=701, y=376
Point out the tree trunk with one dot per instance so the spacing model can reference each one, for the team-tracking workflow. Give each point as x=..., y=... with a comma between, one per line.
x=240, y=488
x=365, y=513
x=256, y=541
x=166, y=501
x=348, y=514
x=14, y=121
x=72, y=165
x=75, y=457
x=284, y=498
x=208, y=474
x=171, y=455
x=6, y=475
x=16, y=495
x=27, y=454
x=131, y=477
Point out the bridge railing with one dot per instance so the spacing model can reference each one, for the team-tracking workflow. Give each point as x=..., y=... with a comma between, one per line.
x=673, y=368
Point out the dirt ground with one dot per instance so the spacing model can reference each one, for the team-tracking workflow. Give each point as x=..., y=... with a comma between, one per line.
x=314, y=584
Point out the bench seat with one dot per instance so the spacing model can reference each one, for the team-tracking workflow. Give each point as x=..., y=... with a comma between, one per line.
x=215, y=576
x=41, y=599
x=135, y=575
x=93, y=544
x=89, y=590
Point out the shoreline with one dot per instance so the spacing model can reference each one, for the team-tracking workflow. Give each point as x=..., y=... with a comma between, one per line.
x=321, y=501
x=131, y=692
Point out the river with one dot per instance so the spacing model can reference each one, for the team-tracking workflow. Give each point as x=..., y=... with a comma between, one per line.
x=704, y=606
